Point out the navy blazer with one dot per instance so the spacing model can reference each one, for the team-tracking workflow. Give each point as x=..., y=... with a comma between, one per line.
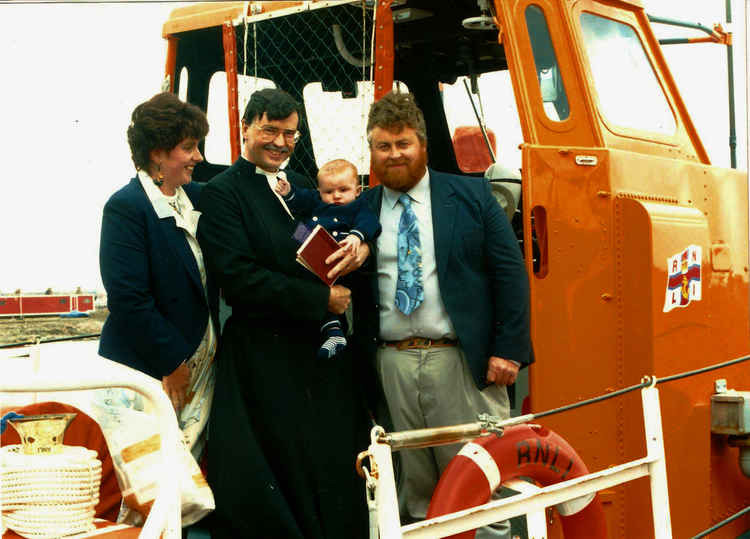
x=481, y=274
x=157, y=307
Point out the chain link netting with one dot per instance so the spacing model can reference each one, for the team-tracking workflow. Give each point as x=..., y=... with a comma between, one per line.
x=322, y=58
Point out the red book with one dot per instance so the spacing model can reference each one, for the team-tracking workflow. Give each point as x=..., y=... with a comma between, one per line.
x=313, y=252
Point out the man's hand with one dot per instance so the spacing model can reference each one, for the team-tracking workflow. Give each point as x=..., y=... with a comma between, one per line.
x=283, y=187
x=347, y=261
x=339, y=299
x=501, y=371
x=175, y=386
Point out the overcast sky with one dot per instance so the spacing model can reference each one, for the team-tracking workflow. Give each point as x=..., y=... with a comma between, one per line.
x=72, y=74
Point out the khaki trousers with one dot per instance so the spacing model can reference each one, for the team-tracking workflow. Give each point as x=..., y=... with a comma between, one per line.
x=428, y=388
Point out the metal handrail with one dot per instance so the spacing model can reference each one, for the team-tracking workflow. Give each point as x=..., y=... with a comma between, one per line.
x=652, y=465
x=54, y=339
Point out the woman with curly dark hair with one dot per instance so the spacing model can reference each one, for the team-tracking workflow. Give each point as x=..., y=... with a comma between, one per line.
x=162, y=308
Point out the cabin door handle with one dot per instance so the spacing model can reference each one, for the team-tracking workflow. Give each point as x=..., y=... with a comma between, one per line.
x=539, y=237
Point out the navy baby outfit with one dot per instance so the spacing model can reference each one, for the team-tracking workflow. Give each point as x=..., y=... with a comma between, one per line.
x=353, y=218
x=340, y=220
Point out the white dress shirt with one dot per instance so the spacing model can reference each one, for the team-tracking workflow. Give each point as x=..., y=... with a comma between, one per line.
x=430, y=319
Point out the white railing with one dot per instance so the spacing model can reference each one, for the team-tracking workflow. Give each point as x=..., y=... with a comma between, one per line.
x=531, y=500
x=37, y=372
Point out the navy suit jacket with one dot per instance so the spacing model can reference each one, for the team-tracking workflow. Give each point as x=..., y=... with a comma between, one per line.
x=481, y=274
x=157, y=307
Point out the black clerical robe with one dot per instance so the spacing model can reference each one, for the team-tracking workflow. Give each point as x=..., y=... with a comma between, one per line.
x=285, y=428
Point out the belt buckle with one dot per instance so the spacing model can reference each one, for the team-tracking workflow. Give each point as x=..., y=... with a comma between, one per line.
x=414, y=343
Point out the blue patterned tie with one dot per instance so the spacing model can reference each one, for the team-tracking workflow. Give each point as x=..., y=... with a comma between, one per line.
x=409, y=291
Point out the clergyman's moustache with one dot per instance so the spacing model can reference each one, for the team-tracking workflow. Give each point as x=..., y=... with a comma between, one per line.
x=274, y=148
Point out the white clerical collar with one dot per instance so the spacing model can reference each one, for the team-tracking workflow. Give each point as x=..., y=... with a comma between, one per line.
x=273, y=181
x=272, y=176
x=418, y=193
x=278, y=174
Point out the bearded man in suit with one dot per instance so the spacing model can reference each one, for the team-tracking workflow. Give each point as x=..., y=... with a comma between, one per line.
x=284, y=428
x=448, y=301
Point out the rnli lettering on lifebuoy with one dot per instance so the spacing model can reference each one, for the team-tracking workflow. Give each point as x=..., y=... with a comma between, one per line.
x=522, y=451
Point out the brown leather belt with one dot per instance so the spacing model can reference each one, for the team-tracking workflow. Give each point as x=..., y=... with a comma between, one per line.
x=419, y=343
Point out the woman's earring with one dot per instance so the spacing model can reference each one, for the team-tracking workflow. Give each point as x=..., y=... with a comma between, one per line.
x=159, y=180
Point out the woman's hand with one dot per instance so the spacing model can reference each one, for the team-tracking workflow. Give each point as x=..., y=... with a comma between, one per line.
x=348, y=260
x=176, y=385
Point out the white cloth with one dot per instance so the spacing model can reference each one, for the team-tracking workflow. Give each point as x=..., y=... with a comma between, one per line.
x=430, y=319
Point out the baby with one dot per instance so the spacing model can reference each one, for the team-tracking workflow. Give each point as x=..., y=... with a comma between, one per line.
x=335, y=207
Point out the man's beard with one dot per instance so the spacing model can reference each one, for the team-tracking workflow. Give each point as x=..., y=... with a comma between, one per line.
x=402, y=178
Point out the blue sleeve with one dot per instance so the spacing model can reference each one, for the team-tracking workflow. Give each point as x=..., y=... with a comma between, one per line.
x=509, y=281
x=366, y=223
x=302, y=202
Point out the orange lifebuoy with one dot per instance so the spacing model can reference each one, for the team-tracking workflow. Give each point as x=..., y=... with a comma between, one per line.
x=522, y=451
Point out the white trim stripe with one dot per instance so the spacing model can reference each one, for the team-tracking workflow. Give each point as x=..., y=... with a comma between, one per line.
x=484, y=461
x=576, y=505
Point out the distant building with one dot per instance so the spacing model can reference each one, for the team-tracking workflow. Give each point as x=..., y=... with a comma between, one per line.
x=21, y=304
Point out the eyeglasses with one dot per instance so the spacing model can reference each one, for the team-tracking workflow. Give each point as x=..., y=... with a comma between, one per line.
x=270, y=132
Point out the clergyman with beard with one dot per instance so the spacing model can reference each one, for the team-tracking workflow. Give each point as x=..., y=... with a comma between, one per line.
x=283, y=432
x=448, y=305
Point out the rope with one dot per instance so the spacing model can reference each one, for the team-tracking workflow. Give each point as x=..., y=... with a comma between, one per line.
x=244, y=44
x=722, y=523
x=372, y=45
x=364, y=146
x=255, y=53
x=50, y=494
x=364, y=41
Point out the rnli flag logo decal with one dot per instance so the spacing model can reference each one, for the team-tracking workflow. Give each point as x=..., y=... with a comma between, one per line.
x=684, y=278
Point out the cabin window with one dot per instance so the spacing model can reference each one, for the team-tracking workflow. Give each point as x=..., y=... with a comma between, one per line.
x=217, y=149
x=496, y=105
x=554, y=97
x=629, y=92
x=337, y=123
x=183, y=84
